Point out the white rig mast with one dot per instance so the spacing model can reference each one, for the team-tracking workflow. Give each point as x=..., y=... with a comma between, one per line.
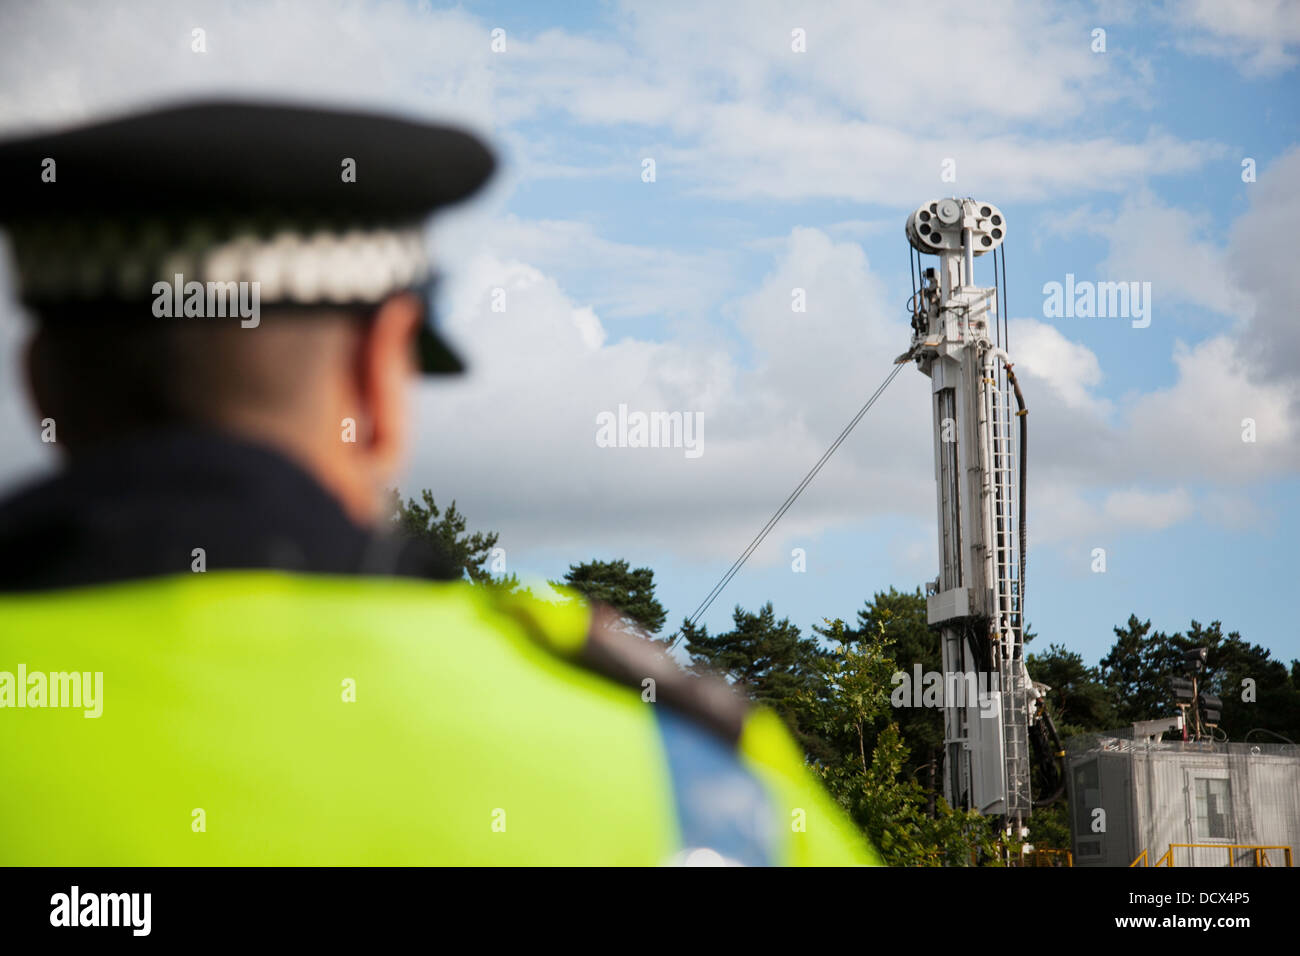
x=976, y=600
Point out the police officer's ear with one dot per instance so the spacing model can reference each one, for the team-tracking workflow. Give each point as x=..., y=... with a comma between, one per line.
x=385, y=375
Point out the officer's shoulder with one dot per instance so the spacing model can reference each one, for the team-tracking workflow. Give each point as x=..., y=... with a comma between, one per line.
x=598, y=639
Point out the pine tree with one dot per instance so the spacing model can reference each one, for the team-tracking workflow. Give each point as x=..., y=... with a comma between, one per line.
x=446, y=532
x=1136, y=672
x=614, y=583
x=768, y=660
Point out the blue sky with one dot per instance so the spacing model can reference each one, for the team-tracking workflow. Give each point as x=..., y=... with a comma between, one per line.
x=778, y=169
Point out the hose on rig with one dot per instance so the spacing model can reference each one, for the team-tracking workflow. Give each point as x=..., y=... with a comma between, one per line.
x=1051, y=762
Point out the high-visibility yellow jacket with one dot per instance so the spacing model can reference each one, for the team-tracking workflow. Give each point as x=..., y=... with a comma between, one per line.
x=264, y=717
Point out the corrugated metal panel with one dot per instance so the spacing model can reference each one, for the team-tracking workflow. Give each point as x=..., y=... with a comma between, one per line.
x=1208, y=803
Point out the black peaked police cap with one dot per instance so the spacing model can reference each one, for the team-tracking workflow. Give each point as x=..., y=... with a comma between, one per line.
x=318, y=207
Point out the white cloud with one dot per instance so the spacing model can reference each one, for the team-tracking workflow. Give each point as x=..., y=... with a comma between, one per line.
x=1171, y=248
x=878, y=59
x=854, y=116
x=64, y=61
x=1071, y=370
x=753, y=152
x=1148, y=510
x=1180, y=252
x=1074, y=514
x=1195, y=427
x=1168, y=456
x=1100, y=462
x=624, y=280
x=539, y=380
x=734, y=111
x=1260, y=36
x=1263, y=262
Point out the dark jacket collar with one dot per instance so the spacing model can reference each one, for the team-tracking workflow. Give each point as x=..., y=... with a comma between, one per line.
x=142, y=506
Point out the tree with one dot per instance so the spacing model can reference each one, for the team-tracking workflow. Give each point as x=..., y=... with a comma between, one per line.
x=445, y=531
x=1136, y=672
x=1139, y=665
x=1256, y=690
x=899, y=620
x=1050, y=826
x=632, y=592
x=842, y=713
x=768, y=660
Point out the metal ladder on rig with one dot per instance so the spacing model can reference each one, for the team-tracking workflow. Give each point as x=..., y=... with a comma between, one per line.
x=1006, y=592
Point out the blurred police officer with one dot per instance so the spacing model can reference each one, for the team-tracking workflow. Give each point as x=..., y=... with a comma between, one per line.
x=209, y=651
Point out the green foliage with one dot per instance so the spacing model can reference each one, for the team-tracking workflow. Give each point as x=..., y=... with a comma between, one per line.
x=1049, y=827
x=446, y=532
x=899, y=618
x=865, y=761
x=614, y=583
x=768, y=660
x=851, y=697
x=1137, y=669
x=1136, y=672
x=1232, y=662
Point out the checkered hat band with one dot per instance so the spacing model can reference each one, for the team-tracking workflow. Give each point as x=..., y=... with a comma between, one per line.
x=76, y=261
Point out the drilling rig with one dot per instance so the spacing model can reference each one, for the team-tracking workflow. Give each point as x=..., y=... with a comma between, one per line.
x=994, y=714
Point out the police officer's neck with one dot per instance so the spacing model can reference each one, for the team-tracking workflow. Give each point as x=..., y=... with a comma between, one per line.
x=346, y=423
x=340, y=466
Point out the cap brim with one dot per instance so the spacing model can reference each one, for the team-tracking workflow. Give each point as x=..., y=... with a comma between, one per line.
x=434, y=356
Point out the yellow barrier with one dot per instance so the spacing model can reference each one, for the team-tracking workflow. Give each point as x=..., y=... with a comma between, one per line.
x=1260, y=852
